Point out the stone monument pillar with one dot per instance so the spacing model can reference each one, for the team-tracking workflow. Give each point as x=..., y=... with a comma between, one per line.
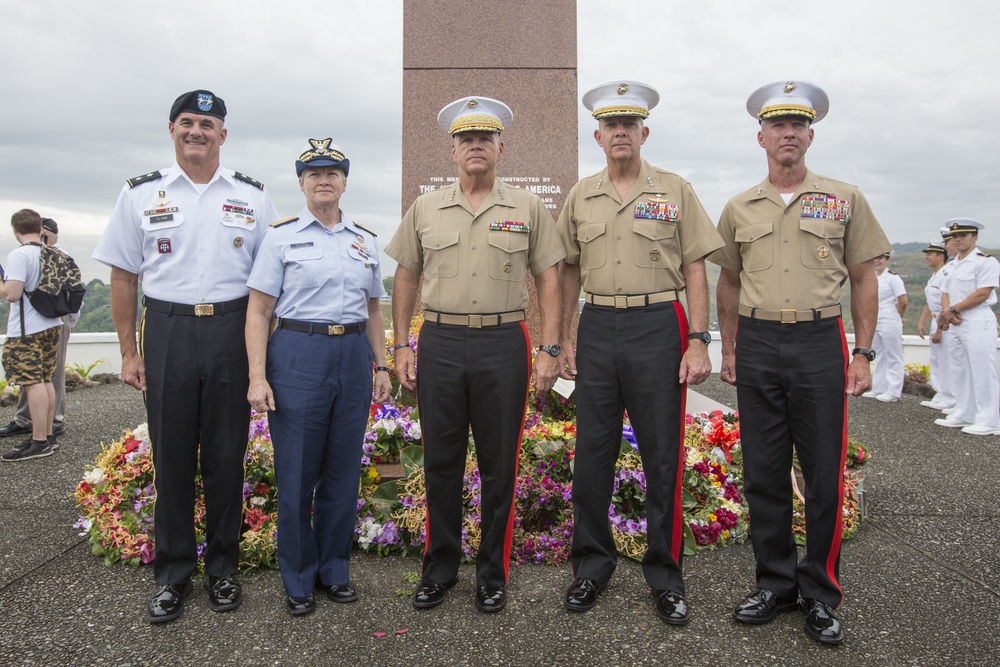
x=523, y=53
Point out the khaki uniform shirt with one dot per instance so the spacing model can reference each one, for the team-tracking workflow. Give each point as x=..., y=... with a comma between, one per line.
x=639, y=245
x=475, y=263
x=795, y=256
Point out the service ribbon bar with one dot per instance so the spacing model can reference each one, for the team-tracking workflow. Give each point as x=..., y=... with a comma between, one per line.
x=656, y=211
x=509, y=226
x=826, y=207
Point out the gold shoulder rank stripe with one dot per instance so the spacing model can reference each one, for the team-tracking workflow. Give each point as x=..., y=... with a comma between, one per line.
x=279, y=223
x=358, y=224
x=247, y=179
x=139, y=180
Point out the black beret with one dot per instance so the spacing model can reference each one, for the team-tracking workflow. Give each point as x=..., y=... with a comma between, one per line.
x=202, y=102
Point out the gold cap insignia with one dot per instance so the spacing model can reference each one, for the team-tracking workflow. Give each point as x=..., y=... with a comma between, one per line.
x=622, y=88
x=823, y=252
x=473, y=104
x=789, y=87
x=238, y=242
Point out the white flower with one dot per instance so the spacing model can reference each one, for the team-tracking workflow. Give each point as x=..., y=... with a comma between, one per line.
x=259, y=501
x=85, y=526
x=141, y=432
x=414, y=431
x=388, y=425
x=94, y=476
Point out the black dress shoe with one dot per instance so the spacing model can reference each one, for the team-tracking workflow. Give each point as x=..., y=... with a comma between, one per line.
x=300, y=606
x=431, y=595
x=582, y=594
x=168, y=602
x=761, y=607
x=491, y=599
x=224, y=593
x=58, y=429
x=13, y=428
x=822, y=623
x=671, y=607
x=342, y=593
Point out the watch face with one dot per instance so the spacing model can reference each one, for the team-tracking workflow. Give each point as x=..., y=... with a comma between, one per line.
x=553, y=350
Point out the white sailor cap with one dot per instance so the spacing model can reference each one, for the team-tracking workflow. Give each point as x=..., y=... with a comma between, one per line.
x=963, y=225
x=621, y=98
x=945, y=233
x=789, y=98
x=936, y=245
x=475, y=114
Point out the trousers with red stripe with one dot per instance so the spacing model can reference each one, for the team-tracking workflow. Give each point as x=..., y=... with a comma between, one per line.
x=479, y=378
x=629, y=359
x=790, y=382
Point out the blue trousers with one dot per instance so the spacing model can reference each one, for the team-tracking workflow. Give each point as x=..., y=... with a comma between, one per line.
x=322, y=393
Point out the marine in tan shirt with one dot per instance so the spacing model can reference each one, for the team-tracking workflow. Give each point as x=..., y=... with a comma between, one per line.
x=473, y=243
x=636, y=237
x=791, y=242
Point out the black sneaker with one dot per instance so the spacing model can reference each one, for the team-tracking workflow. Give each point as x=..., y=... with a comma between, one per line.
x=58, y=429
x=53, y=442
x=13, y=428
x=29, y=449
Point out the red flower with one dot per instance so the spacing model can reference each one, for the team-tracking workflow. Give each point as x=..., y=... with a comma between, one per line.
x=261, y=489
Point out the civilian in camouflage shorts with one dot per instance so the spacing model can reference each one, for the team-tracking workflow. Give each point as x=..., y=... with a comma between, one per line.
x=29, y=352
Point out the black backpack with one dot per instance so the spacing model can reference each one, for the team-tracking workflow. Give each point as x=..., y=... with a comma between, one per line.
x=60, y=287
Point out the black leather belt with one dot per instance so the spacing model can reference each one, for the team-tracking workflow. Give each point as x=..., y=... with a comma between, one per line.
x=321, y=328
x=195, y=310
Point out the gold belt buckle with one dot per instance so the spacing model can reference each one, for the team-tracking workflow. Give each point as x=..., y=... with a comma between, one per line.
x=204, y=309
x=476, y=321
x=335, y=330
x=791, y=314
x=621, y=301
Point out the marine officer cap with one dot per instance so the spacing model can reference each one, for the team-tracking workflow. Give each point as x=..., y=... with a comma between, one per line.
x=621, y=98
x=789, y=98
x=202, y=102
x=322, y=153
x=963, y=225
x=936, y=246
x=475, y=114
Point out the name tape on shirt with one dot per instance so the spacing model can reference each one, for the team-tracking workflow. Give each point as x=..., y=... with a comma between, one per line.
x=826, y=207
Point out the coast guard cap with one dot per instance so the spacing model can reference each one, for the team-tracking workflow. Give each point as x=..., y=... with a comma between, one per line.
x=322, y=153
x=202, y=102
x=789, y=98
x=621, y=98
x=475, y=114
x=936, y=246
x=963, y=225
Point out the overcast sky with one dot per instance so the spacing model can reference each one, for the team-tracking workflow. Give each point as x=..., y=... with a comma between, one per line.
x=87, y=86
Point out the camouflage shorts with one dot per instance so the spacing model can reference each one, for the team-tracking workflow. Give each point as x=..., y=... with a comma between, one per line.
x=32, y=359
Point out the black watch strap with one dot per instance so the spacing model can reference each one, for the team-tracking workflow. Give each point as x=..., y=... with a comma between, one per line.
x=865, y=352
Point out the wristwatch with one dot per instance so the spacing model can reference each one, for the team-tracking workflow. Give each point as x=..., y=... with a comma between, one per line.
x=554, y=349
x=703, y=336
x=864, y=351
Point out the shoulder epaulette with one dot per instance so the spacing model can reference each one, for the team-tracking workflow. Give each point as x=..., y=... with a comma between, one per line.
x=247, y=179
x=359, y=225
x=893, y=272
x=279, y=223
x=145, y=178
x=983, y=254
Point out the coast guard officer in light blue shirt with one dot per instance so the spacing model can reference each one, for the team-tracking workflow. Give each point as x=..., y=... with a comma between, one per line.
x=318, y=273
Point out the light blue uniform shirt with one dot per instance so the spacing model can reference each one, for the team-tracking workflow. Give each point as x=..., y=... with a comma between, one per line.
x=318, y=274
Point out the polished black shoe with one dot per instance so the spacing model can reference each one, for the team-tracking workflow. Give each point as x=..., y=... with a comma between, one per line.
x=671, y=607
x=13, y=428
x=431, y=595
x=168, y=602
x=300, y=606
x=582, y=594
x=491, y=599
x=342, y=593
x=224, y=593
x=822, y=623
x=761, y=607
